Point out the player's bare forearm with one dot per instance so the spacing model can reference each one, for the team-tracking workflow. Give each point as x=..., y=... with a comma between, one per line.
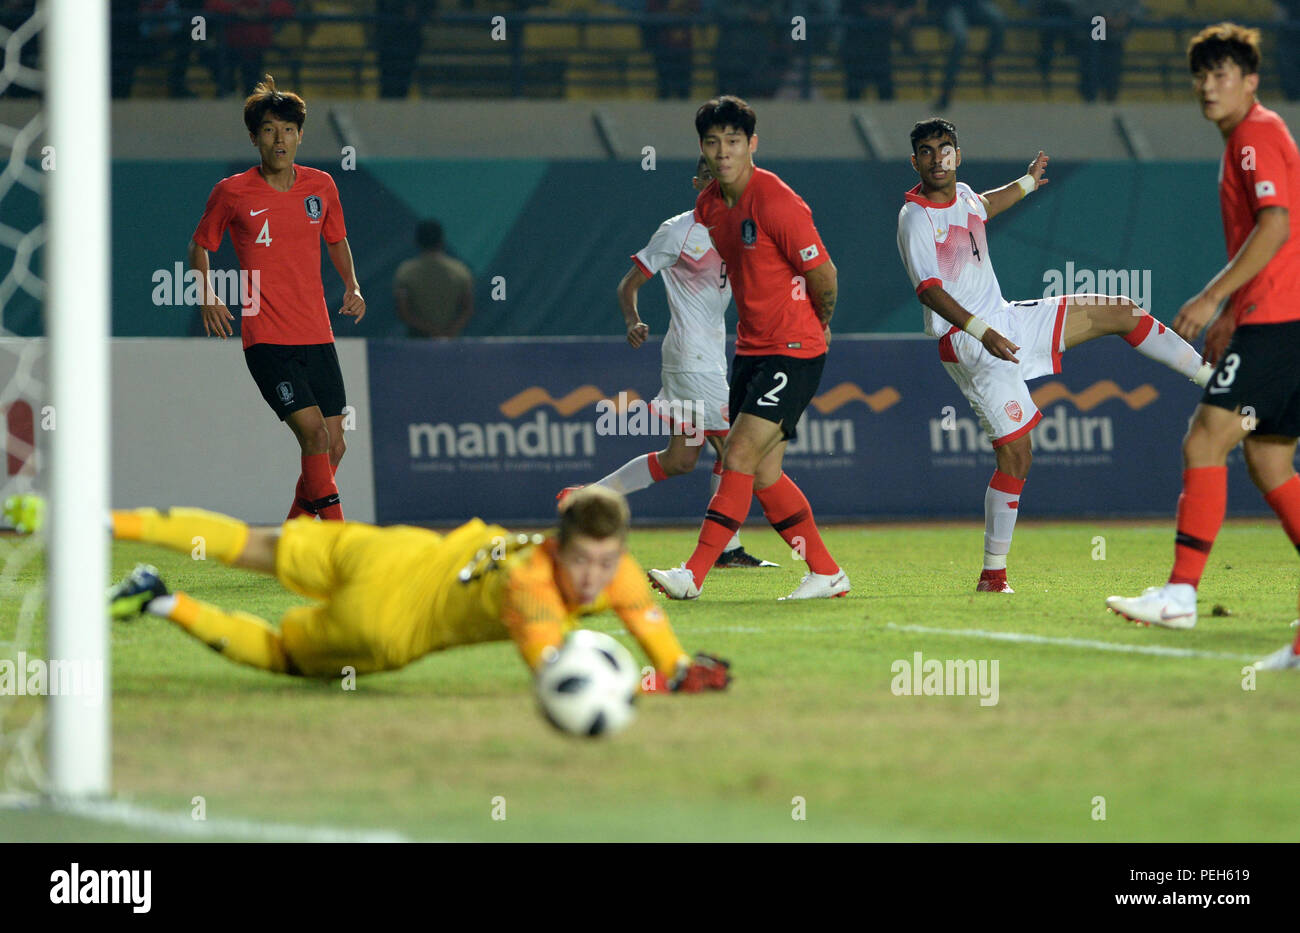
x=341, y=256
x=1272, y=230
x=215, y=315
x=948, y=308
x=353, y=304
x=823, y=290
x=944, y=305
x=637, y=330
x=999, y=199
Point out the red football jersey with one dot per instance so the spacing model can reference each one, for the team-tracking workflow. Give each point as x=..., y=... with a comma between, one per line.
x=767, y=240
x=277, y=236
x=1261, y=168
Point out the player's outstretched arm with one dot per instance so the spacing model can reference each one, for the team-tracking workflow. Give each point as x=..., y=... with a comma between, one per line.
x=637, y=330
x=948, y=308
x=216, y=316
x=999, y=199
x=1272, y=230
x=353, y=304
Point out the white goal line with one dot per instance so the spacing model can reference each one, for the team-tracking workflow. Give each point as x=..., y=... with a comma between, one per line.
x=135, y=816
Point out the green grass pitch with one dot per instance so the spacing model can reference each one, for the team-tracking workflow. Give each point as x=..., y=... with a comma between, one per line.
x=1178, y=747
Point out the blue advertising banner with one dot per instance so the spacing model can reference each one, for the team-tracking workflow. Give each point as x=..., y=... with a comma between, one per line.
x=495, y=428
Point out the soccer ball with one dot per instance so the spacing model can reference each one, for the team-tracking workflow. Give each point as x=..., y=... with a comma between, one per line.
x=589, y=686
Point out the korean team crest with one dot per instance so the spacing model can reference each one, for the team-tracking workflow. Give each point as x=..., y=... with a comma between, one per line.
x=1013, y=411
x=285, y=391
x=313, y=205
x=748, y=232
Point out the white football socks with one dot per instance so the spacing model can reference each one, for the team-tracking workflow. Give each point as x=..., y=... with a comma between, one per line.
x=1161, y=344
x=631, y=476
x=1001, y=507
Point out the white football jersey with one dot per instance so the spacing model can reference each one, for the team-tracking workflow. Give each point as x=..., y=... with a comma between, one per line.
x=695, y=278
x=944, y=244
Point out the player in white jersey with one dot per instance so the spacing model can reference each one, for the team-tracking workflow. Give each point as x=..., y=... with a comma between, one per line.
x=991, y=346
x=693, y=397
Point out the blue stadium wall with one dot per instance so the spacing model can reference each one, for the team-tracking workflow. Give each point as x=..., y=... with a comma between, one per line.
x=559, y=235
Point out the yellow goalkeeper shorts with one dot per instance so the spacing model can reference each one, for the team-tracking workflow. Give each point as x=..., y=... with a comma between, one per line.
x=373, y=585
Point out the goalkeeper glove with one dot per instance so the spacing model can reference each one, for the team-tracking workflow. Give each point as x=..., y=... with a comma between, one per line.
x=703, y=672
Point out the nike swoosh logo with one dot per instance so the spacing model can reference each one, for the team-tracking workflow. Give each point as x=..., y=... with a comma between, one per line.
x=1177, y=615
x=255, y=213
x=762, y=402
x=1217, y=390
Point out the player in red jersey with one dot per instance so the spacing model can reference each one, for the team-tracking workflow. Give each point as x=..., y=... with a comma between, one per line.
x=784, y=284
x=1253, y=398
x=277, y=213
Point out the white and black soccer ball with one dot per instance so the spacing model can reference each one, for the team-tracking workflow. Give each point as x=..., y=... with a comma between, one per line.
x=589, y=686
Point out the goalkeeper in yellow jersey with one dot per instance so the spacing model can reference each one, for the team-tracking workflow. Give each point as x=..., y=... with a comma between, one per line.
x=387, y=596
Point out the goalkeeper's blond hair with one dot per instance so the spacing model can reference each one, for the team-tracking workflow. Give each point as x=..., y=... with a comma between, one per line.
x=595, y=512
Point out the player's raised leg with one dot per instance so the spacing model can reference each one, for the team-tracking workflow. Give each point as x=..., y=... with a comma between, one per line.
x=1201, y=507
x=1088, y=317
x=1001, y=508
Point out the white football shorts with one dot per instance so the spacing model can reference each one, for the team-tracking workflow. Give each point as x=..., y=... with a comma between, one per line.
x=996, y=388
x=693, y=401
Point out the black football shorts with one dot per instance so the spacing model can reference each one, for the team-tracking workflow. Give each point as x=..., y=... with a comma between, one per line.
x=1259, y=375
x=774, y=388
x=296, y=377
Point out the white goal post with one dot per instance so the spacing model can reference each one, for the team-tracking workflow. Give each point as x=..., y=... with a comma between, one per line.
x=77, y=324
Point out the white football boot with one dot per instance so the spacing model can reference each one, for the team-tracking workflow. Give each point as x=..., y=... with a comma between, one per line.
x=676, y=583
x=1279, y=660
x=820, y=586
x=1170, y=606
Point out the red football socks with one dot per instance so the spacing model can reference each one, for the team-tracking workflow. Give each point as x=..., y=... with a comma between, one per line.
x=1285, y=501
x=319, y=493
x=1201, y=508
x=791, y=516
x=727, y=511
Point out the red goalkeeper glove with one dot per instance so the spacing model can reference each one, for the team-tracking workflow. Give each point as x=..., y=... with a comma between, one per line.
x=703, y=672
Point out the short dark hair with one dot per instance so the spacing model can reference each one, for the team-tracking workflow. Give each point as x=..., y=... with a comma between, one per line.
x=428, y=234
x=928, y=129
x=265, y=99
x=727, y=110
x=593, y=511
x=1214, y=45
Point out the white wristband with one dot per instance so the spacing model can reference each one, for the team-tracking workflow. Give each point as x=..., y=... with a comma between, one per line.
x=1027, y=184
x=976, y=327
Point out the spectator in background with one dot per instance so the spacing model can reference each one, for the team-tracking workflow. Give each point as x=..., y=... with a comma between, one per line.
x=247, y=30
x=671, y=46
x=867, y=45
x=957, y=16
x=1288, y=47
x=398, y=35
x=1101, y=60
x=752, y=47
x=1064, y=32
x=434, y=291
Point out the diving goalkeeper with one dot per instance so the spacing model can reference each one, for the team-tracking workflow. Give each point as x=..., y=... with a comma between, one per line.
x=387, y=596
